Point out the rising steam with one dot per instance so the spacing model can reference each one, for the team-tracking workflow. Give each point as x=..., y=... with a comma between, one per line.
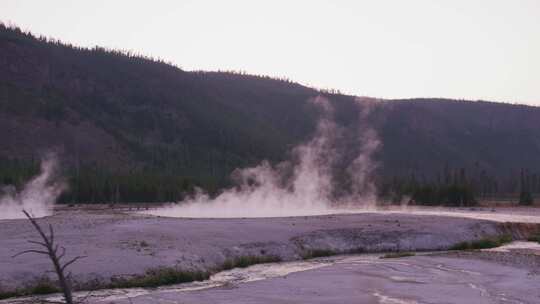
x=363, y=166
x=37, y=196
x=302, y=186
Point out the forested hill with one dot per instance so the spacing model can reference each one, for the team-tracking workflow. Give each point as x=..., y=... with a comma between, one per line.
x=124, y=121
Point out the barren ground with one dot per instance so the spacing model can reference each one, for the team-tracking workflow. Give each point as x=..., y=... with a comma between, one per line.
x=123, y=244
x=361, y=279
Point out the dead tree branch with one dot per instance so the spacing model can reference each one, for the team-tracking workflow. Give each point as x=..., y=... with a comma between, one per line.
x=52, y=253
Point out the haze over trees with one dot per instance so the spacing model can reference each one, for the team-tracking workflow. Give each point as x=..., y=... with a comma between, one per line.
x=136, y=129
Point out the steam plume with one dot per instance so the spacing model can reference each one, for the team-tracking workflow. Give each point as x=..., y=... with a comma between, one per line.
x=302, y=186
x=37, y=196
x=363, y=166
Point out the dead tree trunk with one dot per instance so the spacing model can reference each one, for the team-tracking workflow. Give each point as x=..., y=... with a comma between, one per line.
x=51, y=250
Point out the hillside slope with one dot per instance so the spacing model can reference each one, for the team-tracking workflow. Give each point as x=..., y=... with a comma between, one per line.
x=113, y=112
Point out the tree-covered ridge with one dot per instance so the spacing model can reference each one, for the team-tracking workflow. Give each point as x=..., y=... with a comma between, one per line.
x=134, y=128
x=153, y=110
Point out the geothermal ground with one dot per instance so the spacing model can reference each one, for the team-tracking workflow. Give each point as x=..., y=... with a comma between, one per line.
x=120, y=244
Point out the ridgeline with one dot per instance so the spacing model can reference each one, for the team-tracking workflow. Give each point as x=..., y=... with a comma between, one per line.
x=135, y=129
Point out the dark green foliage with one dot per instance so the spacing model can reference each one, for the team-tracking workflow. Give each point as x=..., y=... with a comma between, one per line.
x=245, y=261
x=88, y=184
x=316, y=253
x=451, y=195
x=525, y=196
x=44, y=286
x=93, y=185
x=454, y=190
x=395, y=255
x=534, y=238
x=9, y=294
x=16, y=172
x=358, y=250
x=160, y=277
x=485, y=243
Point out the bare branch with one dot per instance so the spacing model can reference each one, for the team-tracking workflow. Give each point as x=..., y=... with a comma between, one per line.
x=51, y=234
x=37, y=243
x=72, y=261
x=38, y=228
x=62, y=254
x=30, y=251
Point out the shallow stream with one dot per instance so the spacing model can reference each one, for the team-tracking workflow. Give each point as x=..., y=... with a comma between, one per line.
x=397, y=271
x=225, y=278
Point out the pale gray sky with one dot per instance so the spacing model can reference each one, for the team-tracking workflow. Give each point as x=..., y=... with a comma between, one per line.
x=473, y=49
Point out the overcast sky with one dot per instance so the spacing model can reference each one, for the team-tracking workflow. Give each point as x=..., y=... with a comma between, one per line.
x=473, y=49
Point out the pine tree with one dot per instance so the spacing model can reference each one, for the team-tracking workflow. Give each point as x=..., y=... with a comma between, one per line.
x=525, y=196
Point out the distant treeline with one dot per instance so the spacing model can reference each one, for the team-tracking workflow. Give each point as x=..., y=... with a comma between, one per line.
x=89, y=184
x=456, y=188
